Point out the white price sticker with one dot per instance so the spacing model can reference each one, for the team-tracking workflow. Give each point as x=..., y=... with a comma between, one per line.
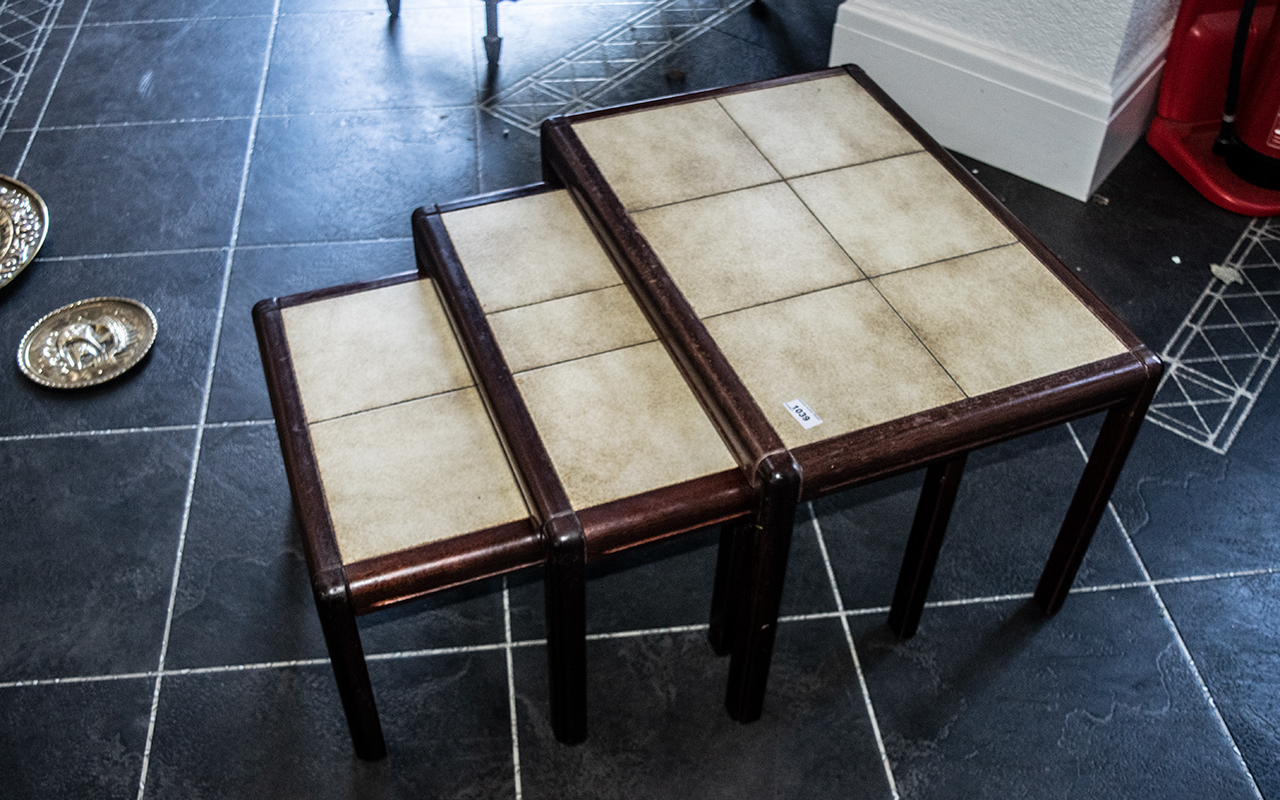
x=803, y=414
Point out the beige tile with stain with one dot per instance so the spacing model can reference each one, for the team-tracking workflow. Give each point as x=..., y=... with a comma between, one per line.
x=569, y=327
x=621, y=423
x=998, y=318
x=818, y=125
x=413, y=473
x=843, y=351
x=742, y=248
x=371, y=349
x=900, y=212
x=527, y=250
x=673, y=153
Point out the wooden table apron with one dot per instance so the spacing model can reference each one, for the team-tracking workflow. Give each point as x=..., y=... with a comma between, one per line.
x=751, y=574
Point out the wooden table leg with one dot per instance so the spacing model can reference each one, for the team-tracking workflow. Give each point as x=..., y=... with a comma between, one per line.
x=726, y=596
x=346, y=654
x=756, y=618
x=1096, y=484
x=566, y=610
x=941, y=482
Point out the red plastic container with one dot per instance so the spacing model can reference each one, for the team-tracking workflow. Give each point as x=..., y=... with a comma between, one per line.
x=1194, y=90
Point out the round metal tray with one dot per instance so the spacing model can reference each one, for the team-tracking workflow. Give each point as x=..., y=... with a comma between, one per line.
x=24, y=221
x=87, y=343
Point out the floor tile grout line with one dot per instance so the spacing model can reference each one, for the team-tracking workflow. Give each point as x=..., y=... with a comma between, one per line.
x=53, y=86
x=283, y=115
x=853, y=652
x=511, y=690
x=515, y=644
x=204, y=406
x=30, y=437
x=222, y=249
x=1173, y=628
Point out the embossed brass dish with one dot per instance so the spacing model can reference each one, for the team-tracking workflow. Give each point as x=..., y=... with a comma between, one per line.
x=87, y=343
x=24, y=221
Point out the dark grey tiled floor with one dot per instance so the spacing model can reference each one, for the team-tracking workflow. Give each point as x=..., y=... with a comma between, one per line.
x=158, y=635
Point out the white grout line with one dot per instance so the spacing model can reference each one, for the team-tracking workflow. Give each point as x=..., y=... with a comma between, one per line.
x=204, y=406
x=135, y=254
x=30, y=437
x=513, y=644
x=57, y=76
x=1173, y=627
x=853, y=651
x=511, y=690
x=240, y=247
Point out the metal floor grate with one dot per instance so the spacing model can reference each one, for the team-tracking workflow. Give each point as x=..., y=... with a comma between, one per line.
x=1224, y=351
x=24, y=29
x=570, y=83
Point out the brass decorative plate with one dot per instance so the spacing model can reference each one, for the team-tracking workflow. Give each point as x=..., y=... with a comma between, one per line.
x=24, y=220
x=87, y=343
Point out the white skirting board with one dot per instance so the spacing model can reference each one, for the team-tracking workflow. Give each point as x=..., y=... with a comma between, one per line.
x=1041, y=124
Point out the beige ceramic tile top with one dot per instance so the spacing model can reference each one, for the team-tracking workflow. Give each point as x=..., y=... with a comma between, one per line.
x=527, y=250
x=412, y=473
x=742, y=248
x=998, y=318
x=900, y=212
x=672, y=153
x=371, y=349
x=621, y=423
x=569, y=328
x=818, y=125
x=842, y=351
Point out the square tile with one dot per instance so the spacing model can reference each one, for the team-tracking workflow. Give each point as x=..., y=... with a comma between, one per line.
x=372, y=349
x=361, y=61
x=90, y=548
x=659, y=728
x=673, y=153
x=74, y=740
x=1193, y=512
x=355, y=176
x=1009, y=508
x=384, y=496
x=738, y=249
x=621, y=423
x=138, y=188
x=29, y=104
x=900, y=212
x=165, y=388
x=843, y=351
x=239, y=391
x=817, y=125
x=1230, y=627
x=281, y=733
x=995, y=695
x=571, y=327
x=161, y=71
x=524, y=251
x=997, y=318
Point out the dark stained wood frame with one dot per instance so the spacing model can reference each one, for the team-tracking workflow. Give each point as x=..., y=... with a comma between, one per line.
x=748, y=580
